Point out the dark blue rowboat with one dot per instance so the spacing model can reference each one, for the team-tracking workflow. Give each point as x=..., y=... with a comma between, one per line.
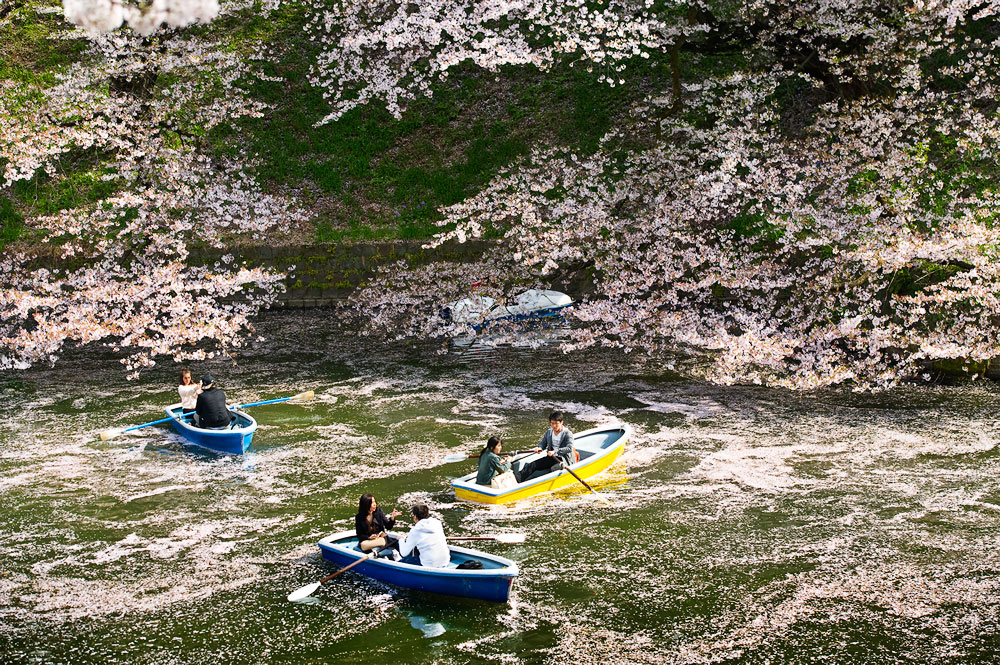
x=234, y=439
x=491, y=582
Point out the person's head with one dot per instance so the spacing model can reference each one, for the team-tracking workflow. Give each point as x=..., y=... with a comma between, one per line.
x=420, y=512
x=185, y=377
x=207, y=381
x=494, y=444
x=367, y=505
x=556, y=421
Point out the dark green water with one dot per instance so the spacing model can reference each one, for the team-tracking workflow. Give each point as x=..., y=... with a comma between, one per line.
x=745, y=525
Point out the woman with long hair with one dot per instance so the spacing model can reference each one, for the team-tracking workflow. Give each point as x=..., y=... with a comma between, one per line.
x=490, y=462
x=188, y=390
x=372, y=526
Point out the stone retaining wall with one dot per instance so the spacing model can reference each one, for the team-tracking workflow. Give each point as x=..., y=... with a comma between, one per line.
x=324, y=275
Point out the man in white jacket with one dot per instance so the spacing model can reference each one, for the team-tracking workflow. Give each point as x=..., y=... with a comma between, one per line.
x=427, y=537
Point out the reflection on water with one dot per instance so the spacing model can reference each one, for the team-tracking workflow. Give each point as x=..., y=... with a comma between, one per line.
x=428, y=628
x=742, y=524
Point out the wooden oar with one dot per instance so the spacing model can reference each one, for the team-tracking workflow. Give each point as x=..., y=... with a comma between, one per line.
x=509, y=538
x=118, y=431
x=308, y=589
x=583, y=482
x=301, y=396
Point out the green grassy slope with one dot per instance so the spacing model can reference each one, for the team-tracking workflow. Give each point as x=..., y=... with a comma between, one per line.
x=366, y=176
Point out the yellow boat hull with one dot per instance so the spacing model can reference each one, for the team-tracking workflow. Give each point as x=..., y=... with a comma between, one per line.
x=601, y=459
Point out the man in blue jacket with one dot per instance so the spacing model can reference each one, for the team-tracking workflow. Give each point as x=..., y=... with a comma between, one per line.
x=556, y=443
x=211, y=406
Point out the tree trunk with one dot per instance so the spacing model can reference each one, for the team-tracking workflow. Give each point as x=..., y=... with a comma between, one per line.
x=675, y=61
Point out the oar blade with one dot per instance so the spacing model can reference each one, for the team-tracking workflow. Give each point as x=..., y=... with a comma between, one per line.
x=111, y=433
x=304, y=592
x=596, y=496
x=511, y=538
x=456, y=457
x=304, y=396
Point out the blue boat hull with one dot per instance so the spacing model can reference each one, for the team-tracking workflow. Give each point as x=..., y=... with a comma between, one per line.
x=547, y=313
x=235, y=441
x=493, y=582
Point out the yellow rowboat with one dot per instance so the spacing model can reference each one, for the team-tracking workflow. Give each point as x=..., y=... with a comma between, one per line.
x=598, y=448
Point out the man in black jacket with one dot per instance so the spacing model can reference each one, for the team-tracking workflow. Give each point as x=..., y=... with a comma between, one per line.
x=211, y=407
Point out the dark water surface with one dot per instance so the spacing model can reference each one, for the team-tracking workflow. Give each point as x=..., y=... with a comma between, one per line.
x=744, y=526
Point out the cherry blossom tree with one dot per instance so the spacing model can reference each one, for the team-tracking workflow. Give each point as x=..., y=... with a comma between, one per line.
x=114, y=270
x=98, y=16
x=822, y=213
x=853, y=245
x=394, y=51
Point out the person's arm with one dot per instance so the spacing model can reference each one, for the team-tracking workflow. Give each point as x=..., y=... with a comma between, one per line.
x=379, y=521
x=542, y=445
x=566, y=449
x=408, y=542
x=499, y=466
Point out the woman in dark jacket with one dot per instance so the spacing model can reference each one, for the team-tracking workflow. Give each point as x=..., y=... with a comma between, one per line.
x=372, y=525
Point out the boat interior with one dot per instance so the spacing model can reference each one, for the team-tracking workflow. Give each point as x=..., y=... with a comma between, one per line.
x=457, y=558
x=239, y=422
x=591, y=444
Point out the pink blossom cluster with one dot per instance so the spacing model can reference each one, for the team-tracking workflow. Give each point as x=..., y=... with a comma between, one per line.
x=392, y=52
x=97, y=16
x=117, y=272
x=838, y=253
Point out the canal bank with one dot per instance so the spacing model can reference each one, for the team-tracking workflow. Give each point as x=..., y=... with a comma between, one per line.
x=326, y=275
x=321, y=275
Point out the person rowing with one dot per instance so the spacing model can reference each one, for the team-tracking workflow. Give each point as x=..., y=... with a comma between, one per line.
x=557, y=444
x=211, y=406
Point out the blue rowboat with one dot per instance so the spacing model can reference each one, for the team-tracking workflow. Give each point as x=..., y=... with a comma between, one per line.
x=491, y=582
x=234, y=439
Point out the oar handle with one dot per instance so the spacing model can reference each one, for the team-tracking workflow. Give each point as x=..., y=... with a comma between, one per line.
x=515, y=454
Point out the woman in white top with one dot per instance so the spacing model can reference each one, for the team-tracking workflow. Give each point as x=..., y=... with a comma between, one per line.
x=427, y=536
x=188, y=391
